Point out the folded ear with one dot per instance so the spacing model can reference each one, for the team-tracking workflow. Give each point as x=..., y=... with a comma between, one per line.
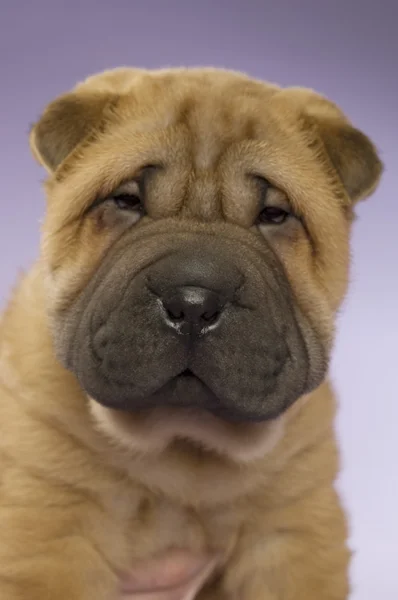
x=66, y=123
x=351, y=153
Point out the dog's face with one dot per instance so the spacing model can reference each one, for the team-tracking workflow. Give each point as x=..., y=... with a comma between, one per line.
x=196, y=241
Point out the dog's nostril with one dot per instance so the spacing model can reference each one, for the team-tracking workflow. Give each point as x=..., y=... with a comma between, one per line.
x=211, y=317
x=174, y=312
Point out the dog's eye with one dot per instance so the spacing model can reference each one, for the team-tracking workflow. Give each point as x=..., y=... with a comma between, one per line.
x=272, y=215
x=127, y=202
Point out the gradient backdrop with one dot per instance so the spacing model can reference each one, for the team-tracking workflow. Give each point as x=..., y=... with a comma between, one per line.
x=346, y=49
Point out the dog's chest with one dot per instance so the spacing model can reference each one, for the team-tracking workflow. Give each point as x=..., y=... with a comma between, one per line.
x=159, y=524
x=176, y=550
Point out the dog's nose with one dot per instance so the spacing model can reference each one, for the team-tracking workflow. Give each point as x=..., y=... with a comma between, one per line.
x=192, y=310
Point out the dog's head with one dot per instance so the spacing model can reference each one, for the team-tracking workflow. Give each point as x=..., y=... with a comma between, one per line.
x=196, y=244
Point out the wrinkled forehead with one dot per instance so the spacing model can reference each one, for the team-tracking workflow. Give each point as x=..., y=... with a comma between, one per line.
x=196, y=122
x=209, y=112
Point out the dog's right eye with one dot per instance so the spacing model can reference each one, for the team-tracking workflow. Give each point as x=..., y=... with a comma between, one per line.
x=127, y=202
x=123, y=206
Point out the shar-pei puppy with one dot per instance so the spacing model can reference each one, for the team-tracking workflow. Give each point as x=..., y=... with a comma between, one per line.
x=167, y=422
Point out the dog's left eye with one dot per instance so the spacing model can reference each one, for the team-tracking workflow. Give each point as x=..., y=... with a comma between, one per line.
x=271, y=198
x=127, y=201
x=272, y=215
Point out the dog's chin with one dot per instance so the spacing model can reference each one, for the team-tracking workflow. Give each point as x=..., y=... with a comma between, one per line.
x=155, y=429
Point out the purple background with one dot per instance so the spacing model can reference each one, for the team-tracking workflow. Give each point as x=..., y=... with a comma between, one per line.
x=346, y=49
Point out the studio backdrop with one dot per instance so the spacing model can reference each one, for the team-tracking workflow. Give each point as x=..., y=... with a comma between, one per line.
x=346, y=49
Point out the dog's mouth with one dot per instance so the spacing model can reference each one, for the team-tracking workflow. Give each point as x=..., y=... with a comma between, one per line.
x=182, y=393
x=187, y=390
x=187, y=374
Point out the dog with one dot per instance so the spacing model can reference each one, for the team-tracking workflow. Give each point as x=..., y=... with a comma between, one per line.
x=167, y=417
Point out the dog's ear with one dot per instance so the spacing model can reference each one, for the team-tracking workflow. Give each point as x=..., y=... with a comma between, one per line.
x=66, y=123
x=354, y=157
x=351, y=153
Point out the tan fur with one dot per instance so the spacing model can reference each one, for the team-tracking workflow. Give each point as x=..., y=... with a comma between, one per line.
x=79, y=487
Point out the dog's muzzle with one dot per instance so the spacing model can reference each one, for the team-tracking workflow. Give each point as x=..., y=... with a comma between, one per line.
x=201, y=325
